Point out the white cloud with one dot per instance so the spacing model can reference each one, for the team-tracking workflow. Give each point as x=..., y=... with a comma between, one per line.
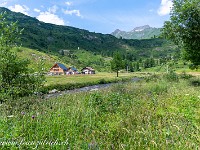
x=68, y=3
x=49, y=17
x=165, y=7
x=3, y=4
x=71, y=12
x=36, y=10
x=19, y=8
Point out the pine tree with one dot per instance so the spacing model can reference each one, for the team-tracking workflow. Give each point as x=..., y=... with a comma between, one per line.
x=117, y=63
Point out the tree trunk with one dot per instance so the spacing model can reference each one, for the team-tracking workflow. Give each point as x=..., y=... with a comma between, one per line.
x=117, y=73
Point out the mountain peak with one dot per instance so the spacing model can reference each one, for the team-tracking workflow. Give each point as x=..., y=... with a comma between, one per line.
x=117, y=31
x=141, y=32
x=141, y=28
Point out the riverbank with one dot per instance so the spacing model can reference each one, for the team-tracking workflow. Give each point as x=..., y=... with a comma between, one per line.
x=56, y=93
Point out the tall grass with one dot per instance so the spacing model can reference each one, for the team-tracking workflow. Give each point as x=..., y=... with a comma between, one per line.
x=157, y=114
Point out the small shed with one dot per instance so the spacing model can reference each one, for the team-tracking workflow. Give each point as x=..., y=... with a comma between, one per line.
x=58, y=69
x=88, y=70
x=72, y=70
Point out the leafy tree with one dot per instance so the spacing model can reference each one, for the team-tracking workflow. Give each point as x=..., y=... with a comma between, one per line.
x=131, y=67
x=136, y=66
x=146, y=63
x=184, y=28
x=15, y=78
x=117, y=63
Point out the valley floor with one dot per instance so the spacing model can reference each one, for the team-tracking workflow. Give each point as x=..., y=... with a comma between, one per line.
x=158, y=112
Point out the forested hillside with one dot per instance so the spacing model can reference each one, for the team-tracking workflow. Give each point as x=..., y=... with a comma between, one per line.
x=54, y=39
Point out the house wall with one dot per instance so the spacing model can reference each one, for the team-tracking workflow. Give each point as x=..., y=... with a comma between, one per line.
x=71, y=72
x=57, y=70
x=87, y=71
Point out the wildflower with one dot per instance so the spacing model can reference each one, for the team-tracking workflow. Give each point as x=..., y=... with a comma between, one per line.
x=93, y=145
x=33, y=117
x=23, y=113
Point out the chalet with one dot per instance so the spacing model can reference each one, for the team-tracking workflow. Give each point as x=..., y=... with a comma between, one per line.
x=58, y=69
x=88, y=70
x=72, y=70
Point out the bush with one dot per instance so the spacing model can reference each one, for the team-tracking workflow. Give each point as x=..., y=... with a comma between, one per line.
x=171, y=76
x=194, y=81
x=102, y=81
x=16, y=80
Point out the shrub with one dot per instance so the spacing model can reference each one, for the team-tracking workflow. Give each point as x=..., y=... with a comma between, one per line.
x=194, y=81
x=102, y=81
x=171, y=76
x=16, y=80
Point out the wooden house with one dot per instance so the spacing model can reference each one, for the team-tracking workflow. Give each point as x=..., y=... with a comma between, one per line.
x=71, y=71
x=58, y=69
x=88, y=70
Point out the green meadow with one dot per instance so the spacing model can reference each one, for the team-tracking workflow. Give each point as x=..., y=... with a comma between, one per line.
x=64, y=79
x=69, y=82
x=157, y=112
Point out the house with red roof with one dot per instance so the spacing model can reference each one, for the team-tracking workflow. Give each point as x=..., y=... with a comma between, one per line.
x=58, y=69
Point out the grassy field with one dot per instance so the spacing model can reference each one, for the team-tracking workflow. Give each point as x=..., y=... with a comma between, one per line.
x=155, y=113
x=68, y=82
x=64, y=79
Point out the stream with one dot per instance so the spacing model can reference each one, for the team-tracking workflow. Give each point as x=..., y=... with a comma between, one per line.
x=87, y=88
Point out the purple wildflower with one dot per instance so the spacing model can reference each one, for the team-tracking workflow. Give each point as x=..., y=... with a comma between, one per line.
x=33, y=117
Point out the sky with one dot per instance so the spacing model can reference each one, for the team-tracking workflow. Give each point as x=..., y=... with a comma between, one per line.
x=100, y=16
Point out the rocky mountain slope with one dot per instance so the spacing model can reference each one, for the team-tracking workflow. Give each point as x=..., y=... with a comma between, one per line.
x=143, y=32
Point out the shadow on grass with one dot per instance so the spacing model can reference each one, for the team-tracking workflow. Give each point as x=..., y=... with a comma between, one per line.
x=194, y=81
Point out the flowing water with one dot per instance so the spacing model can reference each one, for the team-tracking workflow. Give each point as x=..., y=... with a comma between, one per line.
x=87, y=88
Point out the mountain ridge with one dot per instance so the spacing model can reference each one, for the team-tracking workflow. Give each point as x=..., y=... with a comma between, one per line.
x=52, y=38
x=141, y=32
